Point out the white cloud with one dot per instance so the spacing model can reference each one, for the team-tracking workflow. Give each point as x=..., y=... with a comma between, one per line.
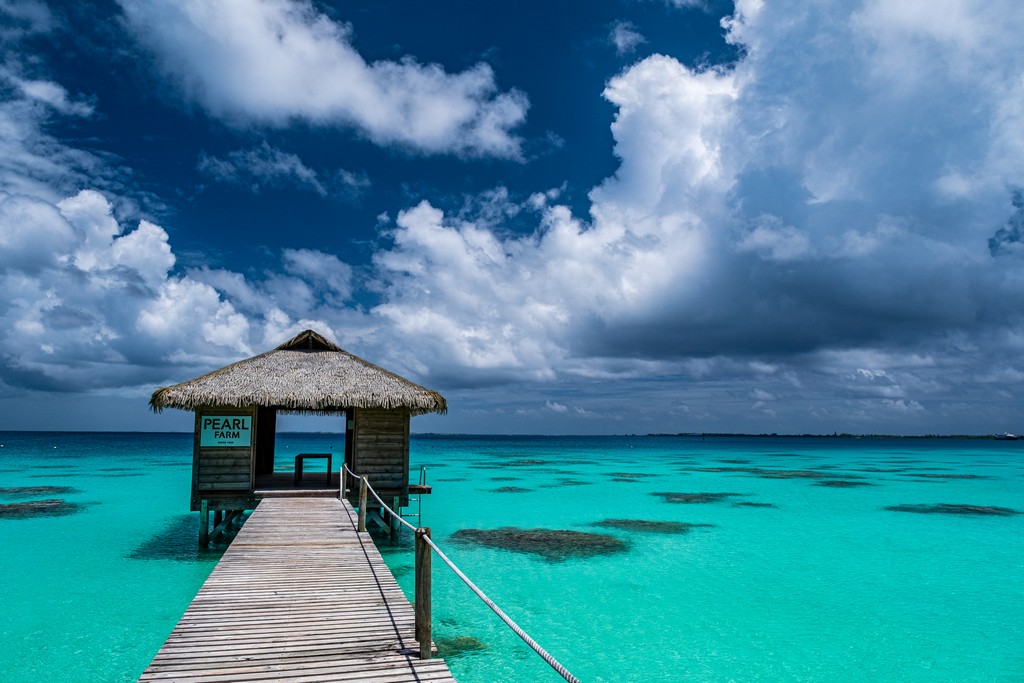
x=144, y=252
x=266, y=166
x=51, y=94
x=34, y=233
x=78, y=306
x=774, y=241
x=556, y=407
x=273, y=62
x=262, y=164
x=669, y=130
x=625, y=37
x=87, y=304
x=26, y=16
x=310, y=285
x=32, y=162
x=890, y=103
x=457, y=288
x=182, y=306
x=326, y=271
x=642, y=248
x=700, y=4
x=902, y=406
x=504, y=307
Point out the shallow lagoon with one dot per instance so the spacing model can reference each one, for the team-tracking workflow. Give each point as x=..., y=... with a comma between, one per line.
x=784, y=580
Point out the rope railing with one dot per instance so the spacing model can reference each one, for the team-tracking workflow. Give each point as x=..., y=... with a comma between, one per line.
x=362, y=497
x=424, y=546
x=552, y=662
x=394, y=515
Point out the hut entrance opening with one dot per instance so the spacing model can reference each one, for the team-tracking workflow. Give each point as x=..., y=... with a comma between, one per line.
x=285, y=459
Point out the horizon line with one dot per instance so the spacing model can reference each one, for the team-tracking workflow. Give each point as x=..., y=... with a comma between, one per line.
x=702, y=435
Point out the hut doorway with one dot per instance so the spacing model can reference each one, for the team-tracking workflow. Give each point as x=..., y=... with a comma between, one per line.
x=300, y=452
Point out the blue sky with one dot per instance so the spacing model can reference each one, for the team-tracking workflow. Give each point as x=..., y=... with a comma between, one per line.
x=618, y=216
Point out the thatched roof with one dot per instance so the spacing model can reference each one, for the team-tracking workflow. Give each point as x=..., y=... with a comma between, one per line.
x=308, y=373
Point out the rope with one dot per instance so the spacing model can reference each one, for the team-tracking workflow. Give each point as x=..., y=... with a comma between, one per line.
x=552, y=662
x=384, y=506
x=394, y=515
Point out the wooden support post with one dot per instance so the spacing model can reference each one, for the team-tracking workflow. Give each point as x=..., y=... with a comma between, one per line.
x=424, y=631
x=396, y=526
x=218, y=515
x=376, y=516
x=342, y=493
x=204, y=523
x=221, y=527
x=362, y=503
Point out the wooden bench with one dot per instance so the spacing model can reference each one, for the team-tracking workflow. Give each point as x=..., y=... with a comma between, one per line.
x=300, y=460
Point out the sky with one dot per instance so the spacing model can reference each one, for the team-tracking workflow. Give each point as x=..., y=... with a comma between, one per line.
x=582, y=217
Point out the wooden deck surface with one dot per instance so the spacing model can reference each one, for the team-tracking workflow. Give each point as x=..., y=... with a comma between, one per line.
x=298, y=596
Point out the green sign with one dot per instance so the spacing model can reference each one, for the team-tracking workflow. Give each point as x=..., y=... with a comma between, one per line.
x=226, y=430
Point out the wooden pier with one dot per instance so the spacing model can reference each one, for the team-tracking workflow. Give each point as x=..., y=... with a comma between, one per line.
x=300, y=595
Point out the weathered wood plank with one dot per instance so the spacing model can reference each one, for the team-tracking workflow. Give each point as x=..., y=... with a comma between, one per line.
x=299, y=595
x=229, y=475
x=222, y=486
x=234, y=461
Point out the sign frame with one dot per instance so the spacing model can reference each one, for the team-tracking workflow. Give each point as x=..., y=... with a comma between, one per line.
x=225, y=431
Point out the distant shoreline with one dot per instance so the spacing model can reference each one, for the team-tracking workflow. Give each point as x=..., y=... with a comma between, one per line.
x=690, y=435
x=990, y=437
x=716, y=435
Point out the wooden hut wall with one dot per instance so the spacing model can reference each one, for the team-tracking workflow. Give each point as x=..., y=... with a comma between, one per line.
x=380, y=449
x=223, y=474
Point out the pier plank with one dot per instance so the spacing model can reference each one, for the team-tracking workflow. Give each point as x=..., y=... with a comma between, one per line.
x=299, y=595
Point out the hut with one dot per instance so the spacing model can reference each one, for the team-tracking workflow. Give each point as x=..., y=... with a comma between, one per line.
x=236, y=410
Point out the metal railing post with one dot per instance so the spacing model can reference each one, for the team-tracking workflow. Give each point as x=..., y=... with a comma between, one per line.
x=423, y=616
x=362, y=503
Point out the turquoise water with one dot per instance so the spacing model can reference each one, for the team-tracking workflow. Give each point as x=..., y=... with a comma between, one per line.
x=827, y=585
